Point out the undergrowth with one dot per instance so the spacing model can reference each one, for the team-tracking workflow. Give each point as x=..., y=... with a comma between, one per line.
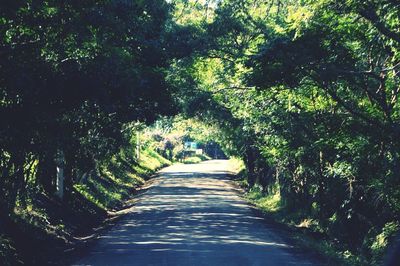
x=196, y=158
x=118, y=178
x=44, y=226
x=307, y=232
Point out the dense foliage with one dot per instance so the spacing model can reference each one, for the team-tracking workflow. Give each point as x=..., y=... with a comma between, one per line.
x=71, y=74
x=306, y=92
x=75, y=76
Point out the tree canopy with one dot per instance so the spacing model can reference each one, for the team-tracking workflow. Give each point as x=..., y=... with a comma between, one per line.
x=305, y=92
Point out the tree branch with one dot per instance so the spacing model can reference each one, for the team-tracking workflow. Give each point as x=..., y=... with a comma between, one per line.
x=371, y=15
x=234, y=88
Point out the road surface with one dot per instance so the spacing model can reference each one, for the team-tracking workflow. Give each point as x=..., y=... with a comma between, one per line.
x=192, y=215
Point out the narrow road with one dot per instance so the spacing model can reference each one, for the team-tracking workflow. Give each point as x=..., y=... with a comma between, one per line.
x=192, y=215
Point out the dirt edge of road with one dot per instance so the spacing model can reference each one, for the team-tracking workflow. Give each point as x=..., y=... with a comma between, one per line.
x=283, y=231
x=83, y=243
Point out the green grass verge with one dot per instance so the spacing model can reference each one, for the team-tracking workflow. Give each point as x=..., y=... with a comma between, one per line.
x=236, y=166
x=45, y=226
x=119, y=178
x=304, y=230
x=196, y=158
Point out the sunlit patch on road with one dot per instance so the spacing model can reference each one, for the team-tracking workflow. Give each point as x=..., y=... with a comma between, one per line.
x=192, y=215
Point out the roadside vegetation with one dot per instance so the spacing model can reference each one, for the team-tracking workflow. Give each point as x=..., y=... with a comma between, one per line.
x=46, y=228
x=95, y=95
x=306, y=232
x=306, y=93
x=196, y=158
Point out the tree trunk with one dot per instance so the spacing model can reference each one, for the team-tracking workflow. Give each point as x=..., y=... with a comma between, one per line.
x=250, y=163
x=46, y=172
x=60, y=162
x=138, y=146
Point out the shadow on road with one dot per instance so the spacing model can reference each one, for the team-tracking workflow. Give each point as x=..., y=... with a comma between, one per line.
x=192, y=215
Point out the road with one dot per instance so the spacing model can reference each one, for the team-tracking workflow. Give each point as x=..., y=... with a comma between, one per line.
x=192, y=215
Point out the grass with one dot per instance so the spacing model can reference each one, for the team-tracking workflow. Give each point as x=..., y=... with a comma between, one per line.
x=196, y=158
x=46, y=226
x=303, y=230
x=119, y=178
x=152, y=161
x=267, y=203
x=236, y=166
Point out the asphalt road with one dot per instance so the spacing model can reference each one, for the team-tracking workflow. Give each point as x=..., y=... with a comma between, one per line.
x=192, y=215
